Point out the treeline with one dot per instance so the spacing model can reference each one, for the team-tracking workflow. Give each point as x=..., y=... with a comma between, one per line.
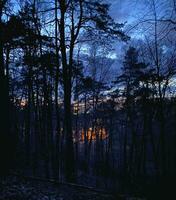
x=39, y=66
x=64, y=117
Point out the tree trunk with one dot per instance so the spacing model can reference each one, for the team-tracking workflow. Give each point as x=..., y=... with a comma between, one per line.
x=69, y=151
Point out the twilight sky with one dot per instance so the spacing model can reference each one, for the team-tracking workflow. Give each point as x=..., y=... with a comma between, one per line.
x=131, y=12
x=126, y=10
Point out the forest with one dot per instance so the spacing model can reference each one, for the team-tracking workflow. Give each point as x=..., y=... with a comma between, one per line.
x=88, y=96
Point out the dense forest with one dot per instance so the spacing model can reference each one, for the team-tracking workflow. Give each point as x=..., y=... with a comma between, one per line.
x=88, y=98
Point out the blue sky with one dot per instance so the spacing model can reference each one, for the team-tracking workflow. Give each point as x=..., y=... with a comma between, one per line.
x=126, y=10
x=140, y=13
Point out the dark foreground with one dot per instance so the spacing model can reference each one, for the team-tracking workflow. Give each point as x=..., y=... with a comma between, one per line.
x=15, y=188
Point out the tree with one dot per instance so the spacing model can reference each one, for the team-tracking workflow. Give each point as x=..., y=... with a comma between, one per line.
x=4, y=94
x=133, y=79
x=6, y=138
x=77, y=15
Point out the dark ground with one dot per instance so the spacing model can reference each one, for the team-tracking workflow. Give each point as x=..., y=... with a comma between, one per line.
x=15, y=188
x=27, y=188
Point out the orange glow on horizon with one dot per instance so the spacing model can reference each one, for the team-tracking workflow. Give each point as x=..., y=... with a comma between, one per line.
x=94, y=134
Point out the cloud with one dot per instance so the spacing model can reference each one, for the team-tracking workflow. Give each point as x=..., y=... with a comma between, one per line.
x=126, y=10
